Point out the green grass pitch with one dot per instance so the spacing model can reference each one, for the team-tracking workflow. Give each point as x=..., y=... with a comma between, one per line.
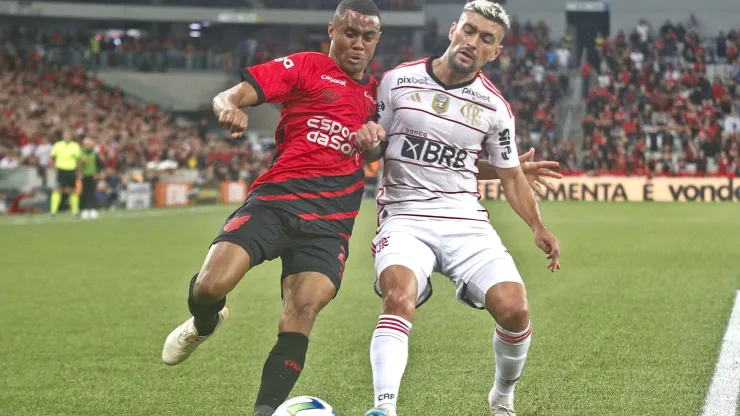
x=631, y=325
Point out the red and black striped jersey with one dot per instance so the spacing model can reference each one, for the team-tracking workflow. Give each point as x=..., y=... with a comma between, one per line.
x=317, y=172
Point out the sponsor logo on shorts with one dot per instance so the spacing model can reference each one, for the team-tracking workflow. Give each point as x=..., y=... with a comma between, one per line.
x=476, y=94
x=412, y=80
x=377, y=248
x=236, y=223
x=332, y=134
x=433, y=152
x=342, y=257
x=334, y=80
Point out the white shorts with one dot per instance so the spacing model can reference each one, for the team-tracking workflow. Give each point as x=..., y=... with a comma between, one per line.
x=469, y=253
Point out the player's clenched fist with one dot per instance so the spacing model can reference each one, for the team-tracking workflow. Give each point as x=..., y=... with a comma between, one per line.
x=370, y=135
x=235, y=120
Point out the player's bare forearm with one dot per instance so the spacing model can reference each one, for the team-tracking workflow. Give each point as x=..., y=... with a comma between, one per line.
x=520, y=196
x=237, y=97
x=375, y=153
x=486, y=171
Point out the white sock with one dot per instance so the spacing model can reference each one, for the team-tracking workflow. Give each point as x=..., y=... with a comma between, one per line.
x=510, y=351
x=389, y=352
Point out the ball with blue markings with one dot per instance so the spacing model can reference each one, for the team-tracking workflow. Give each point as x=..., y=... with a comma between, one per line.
x=305, y=406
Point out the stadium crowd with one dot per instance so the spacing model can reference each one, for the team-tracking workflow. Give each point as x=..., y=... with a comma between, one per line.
x=42, y=99
x=663, y=103
x=652, y=108
x=393, y=5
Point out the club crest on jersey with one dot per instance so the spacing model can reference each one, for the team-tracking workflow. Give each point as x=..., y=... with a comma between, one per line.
x=472, y=113
x=441, y=103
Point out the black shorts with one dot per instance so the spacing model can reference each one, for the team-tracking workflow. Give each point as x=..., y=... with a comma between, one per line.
x=267, y=233
x=66, y=178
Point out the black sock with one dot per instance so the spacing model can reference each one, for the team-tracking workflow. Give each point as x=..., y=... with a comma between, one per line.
x=205, y=316
x=281, y=370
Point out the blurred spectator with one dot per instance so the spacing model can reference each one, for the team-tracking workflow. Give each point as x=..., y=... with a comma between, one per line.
x=28, y=201
x=655, y=108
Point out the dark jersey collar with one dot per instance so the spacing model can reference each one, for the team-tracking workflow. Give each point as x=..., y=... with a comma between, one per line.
x=430, y=72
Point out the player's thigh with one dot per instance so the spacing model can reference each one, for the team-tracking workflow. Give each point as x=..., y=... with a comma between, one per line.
x=476, y=260
x=318, y=254
x=258, y=230
x=402, y=243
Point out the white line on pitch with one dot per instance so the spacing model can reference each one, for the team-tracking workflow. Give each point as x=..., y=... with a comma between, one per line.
x=722, y=396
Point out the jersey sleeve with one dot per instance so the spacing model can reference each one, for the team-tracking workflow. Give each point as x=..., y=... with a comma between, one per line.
x=55, y=150
x=279, y=80
x=384, y=115
x=500, y=144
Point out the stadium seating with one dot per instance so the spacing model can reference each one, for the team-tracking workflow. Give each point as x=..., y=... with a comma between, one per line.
x=395, y=5
x=663, y=103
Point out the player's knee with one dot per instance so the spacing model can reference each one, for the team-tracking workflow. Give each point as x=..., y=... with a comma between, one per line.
x=397, y=302
x=209, y=288
x=513, y=312
x=303, y=310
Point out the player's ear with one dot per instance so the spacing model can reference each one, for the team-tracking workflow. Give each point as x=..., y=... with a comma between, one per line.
x=496, y=53
x=452, y=31
x=331, y=30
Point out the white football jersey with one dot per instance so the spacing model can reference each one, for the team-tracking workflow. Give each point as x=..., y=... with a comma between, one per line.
x=436, y=133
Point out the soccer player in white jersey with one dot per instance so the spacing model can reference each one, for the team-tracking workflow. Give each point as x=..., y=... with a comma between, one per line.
x=436, y=116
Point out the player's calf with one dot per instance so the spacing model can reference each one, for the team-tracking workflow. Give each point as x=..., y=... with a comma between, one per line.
x=507, y=303
x=225, y=265
x=304, y=296
x=389, y=346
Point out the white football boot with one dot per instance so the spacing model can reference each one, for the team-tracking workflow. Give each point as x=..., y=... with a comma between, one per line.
x=498, y=409
x=185, y=339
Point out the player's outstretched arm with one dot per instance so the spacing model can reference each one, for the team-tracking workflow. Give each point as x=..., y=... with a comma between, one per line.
x=536, y=172
x=228, y=104
x=521, y=198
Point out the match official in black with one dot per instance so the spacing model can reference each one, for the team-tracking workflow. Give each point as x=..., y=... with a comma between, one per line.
x=90, y=167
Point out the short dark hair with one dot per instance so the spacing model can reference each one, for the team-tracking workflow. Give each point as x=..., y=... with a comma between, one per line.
x=366, y=7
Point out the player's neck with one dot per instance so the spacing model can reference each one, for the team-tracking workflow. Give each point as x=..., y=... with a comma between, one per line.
x=357, y=77
x=444, y=73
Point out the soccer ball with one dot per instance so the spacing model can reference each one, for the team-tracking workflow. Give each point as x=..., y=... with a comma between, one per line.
x=305, y=406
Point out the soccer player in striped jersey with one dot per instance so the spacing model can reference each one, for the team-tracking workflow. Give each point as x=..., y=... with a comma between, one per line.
x=437, y=116
x=303, y=208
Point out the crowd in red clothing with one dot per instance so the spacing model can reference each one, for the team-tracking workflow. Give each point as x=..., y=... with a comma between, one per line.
x=654, y=109
x=39, y=107
x=532, y=74
x=42, y=100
